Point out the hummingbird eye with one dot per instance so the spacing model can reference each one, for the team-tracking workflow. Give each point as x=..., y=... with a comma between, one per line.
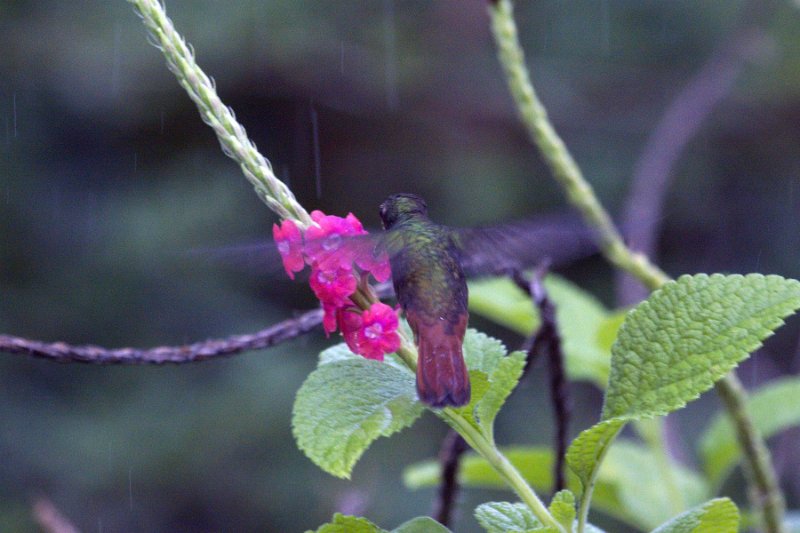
x=384, y=214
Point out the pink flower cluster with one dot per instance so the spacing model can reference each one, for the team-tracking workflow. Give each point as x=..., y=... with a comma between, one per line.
x=338, y=257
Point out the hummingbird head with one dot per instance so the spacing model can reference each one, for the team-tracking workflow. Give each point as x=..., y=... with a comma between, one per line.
x=399, y=207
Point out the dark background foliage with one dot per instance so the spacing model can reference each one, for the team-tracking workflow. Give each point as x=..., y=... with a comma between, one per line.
x=113, y=191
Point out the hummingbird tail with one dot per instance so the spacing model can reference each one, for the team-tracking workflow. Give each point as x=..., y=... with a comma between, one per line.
x=442, y=377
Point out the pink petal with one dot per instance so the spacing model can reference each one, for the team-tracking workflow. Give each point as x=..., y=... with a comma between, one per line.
x=289, y=240
x=378, y=333
x=333, y=287
x=329, y=318
x=349, y=324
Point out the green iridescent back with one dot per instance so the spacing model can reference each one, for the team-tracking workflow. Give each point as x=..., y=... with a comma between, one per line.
x=426, y=271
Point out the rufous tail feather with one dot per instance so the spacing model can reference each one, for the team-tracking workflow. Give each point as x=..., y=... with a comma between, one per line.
x=442, y=378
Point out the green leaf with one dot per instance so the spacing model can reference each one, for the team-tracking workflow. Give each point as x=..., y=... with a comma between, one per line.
x=349, y=524
x=427, y=474
x=563, y=508
x=336, y=353
x=354, y=524
x=772, y=409
x=343, y=406
x=675, y=345
x=501, y=301
x=628, y=485
x=501, y=382
x=504, y=517
x=587, y=450
x=632, y=472
x=421, y=524
x=340, y=352
x=493, y=376
x=581, y=322
x=607, y=333
x=482, y=352
x=479, y=385
x=689, y=334
x=715, y=516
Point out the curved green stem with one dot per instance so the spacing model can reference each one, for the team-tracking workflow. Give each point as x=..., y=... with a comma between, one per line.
x=564, y=168
x=477, y=440
x=589, y=484
x=488, y=450
x=581, y=195
x=231, y=134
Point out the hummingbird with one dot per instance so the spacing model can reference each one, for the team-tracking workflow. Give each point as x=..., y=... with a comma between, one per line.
x=430, y=264
x=432, y=290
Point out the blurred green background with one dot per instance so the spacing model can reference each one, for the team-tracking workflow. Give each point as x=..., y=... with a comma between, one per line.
x=112, y=191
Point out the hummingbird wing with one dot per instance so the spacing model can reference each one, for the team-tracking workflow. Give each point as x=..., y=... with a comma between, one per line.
x=261, y=256
x=489, y=250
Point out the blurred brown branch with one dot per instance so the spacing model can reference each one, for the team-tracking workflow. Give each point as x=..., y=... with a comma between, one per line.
x=453, y=447
x=547, y=341
x=189, y=353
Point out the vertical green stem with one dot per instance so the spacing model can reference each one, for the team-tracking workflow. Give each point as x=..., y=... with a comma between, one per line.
x=581, y=195
x=764, y=490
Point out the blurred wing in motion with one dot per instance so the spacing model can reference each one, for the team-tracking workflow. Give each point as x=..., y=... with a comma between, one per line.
x=491, y=250
x=484, y=251
x=261, y=256
x=256, y=256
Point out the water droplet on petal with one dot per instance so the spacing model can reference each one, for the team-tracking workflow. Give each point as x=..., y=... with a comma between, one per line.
x=332, y=242
x=374, y=331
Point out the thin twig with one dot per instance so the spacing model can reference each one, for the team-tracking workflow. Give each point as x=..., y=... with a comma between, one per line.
x=50, y=518
x=453, y=447
x=679, y=124
x=547, y=341
x=190, y=353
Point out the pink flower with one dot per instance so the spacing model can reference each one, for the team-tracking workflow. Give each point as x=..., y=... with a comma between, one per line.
x=290, y=246
x=377, y=266
x=331, y=248
x=333, y=287
x=349, y=320
x=333, y=244
x=377, y=334
x=325, y=245
x=371, y=333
